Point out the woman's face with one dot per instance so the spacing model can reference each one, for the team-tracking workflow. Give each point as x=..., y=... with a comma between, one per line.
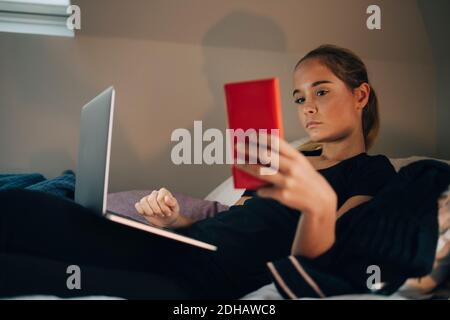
x=328, y=109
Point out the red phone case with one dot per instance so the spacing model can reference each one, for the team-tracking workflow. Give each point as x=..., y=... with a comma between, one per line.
x=252, y=105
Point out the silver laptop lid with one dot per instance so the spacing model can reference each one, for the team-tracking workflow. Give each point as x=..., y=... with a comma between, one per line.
x=91, y=186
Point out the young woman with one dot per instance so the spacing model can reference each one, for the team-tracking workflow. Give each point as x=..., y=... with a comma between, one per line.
x=41, y=235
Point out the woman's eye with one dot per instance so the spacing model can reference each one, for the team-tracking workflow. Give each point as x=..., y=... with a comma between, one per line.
x=300, y=100
x=322, y=92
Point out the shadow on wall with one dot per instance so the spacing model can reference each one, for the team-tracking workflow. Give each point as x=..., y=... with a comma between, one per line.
x=224, y=60
x=237, y=30
x=222, y=63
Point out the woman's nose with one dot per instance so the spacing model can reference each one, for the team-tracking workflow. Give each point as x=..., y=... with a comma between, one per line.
x=309, y=107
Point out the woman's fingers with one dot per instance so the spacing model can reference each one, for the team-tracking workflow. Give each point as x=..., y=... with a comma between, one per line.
x=272, y=150
x=146, y=206
x=159, y=203
x=151, y=218
x=162, y=194
x=271, y=192
x=275, y=144
x=154, y=205
x=270, y=175
x=138, y=207
x=279, y=168
x=281, y=163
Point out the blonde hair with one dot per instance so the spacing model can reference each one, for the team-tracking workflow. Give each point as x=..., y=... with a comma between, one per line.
x=348, y=67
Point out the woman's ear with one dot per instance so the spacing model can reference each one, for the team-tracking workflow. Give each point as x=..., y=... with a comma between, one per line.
x=362, y=95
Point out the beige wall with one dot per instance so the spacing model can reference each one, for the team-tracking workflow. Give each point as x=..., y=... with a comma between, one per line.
x=435, y=14
x=169, y=59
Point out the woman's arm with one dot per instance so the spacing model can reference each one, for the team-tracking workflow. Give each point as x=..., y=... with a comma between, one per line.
x=315, y=233
x=242, y=200
x=351, y=203
x=295, y=183
x=316, y=229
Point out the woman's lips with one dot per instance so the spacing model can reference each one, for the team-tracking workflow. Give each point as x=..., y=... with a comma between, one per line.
x=313, y=124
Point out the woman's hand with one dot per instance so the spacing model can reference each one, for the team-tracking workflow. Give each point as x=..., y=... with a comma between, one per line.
x=294, y=182
x=161, y=209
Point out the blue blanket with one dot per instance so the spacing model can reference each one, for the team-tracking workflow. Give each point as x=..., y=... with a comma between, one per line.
x=63, y=185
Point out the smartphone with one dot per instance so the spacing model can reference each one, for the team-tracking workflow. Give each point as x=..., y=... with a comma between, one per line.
x=253, y=105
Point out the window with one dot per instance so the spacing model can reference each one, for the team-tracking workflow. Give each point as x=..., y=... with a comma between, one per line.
x=46, y=17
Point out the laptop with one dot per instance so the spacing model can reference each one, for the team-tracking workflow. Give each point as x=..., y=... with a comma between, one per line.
x=91, y=185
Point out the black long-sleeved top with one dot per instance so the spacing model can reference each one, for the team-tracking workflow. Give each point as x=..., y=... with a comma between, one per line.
x=361, y=174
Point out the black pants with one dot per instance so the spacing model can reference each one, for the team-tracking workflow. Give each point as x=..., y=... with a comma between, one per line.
x=41, y=235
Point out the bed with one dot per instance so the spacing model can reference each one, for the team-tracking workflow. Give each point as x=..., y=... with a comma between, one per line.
x=224, y=195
